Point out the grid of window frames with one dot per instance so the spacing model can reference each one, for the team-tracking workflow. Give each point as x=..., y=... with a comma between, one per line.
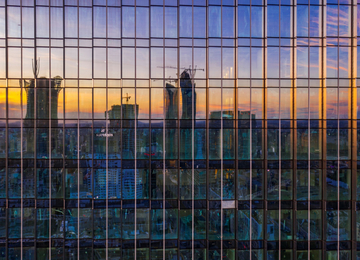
x=179, y=129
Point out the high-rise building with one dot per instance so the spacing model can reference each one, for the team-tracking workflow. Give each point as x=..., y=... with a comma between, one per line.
x=188, y=96
x=179, y=129
x=188, y=112
x=171, y=102
x=46, y=98
x=41, y=103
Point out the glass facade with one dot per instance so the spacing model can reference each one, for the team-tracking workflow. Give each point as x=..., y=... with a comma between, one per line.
x=179, y=129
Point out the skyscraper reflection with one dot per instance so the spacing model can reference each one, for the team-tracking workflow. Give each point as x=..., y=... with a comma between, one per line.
x=46, y=98
x=42, y=95
x=171, y=102
x=188, y=99
x=125, y=113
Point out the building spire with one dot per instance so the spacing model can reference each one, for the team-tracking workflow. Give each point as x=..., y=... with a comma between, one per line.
x=36, y=67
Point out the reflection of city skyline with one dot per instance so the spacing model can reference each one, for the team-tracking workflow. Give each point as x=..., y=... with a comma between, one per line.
x=127, y=155
x=126, y=111
x=171, y=100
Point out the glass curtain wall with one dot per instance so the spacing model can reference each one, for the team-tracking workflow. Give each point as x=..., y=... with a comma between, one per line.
x=179, y=129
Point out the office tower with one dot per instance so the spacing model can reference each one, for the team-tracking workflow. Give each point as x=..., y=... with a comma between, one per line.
x=46, y=104
x=179, y=129
x=171, y=102
x=188, y=95
x=41, y=102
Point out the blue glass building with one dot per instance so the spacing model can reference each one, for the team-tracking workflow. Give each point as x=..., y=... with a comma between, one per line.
x=179, y=129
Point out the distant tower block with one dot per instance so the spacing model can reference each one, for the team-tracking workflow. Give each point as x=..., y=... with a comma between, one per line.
x=46, y=98
x=188, y=104
x=171, y=102
x=42, y=104
x=125, y=115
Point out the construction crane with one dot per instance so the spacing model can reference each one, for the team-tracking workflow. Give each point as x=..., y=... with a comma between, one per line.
x=127, y=97
x=189, y=70
x=169, y=80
